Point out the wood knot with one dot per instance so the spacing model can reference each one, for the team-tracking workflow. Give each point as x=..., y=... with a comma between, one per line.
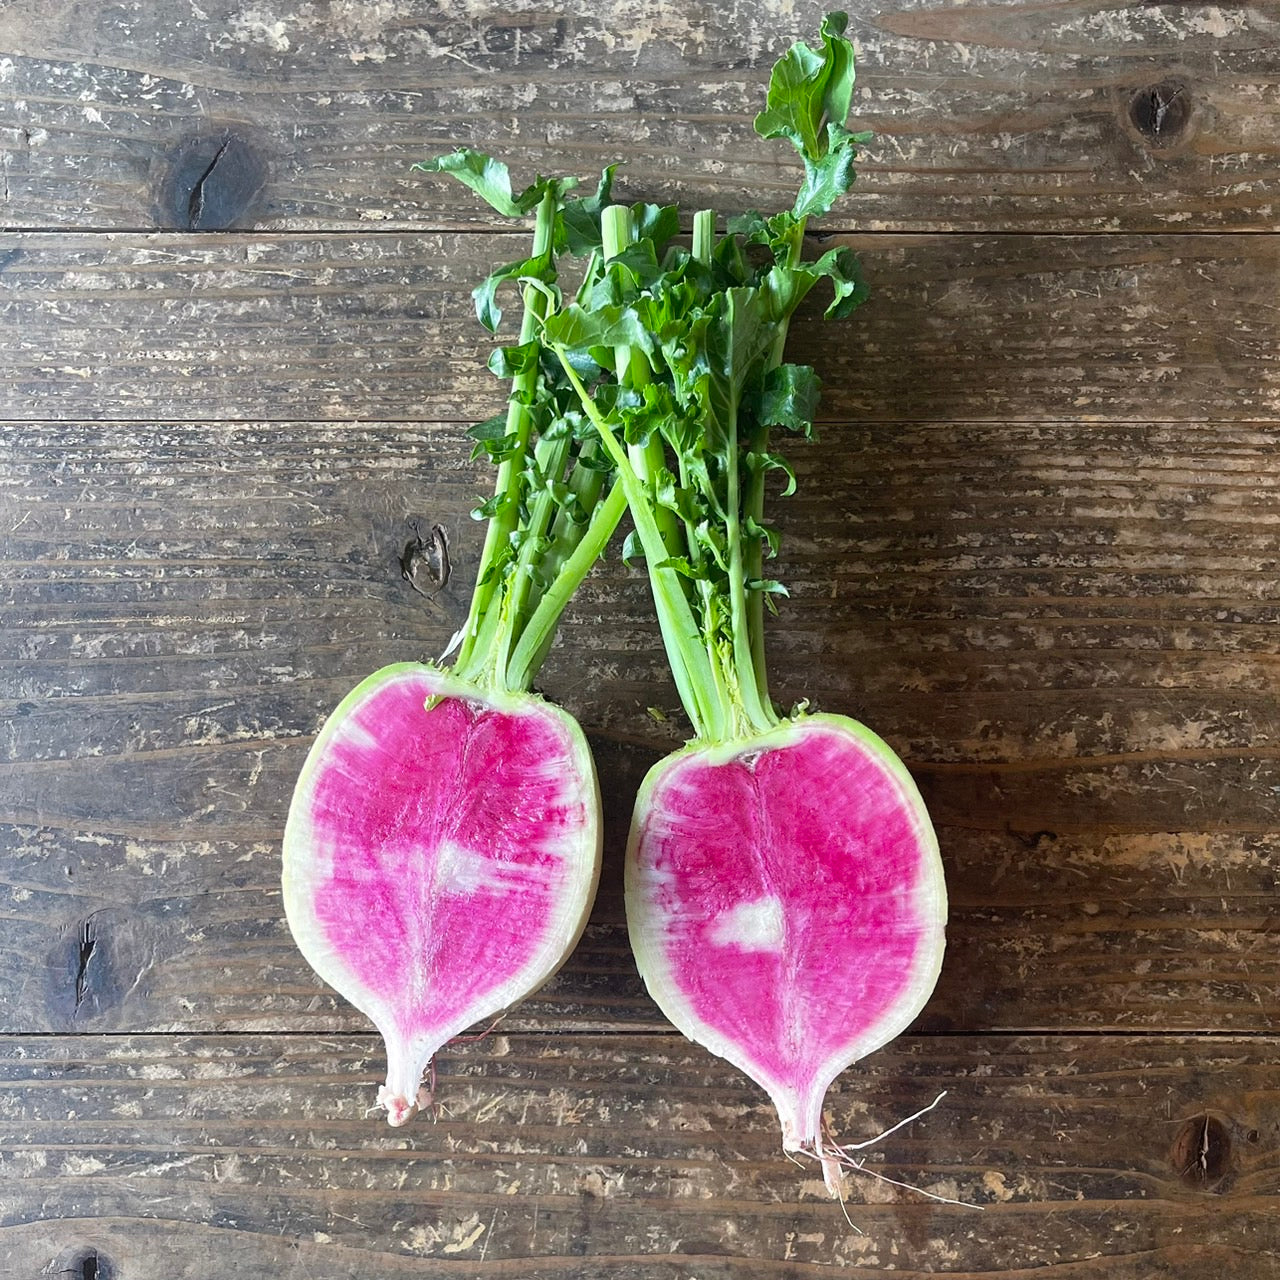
x=84, y=1263
x=1201, y=1153
x=1161, y=113
x=593, y=1185
x=211, y=182
x=424, y=562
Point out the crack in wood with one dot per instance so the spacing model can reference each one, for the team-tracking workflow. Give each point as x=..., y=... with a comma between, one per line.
x=1161, y=112
x=424, y=563
x=195, y=206
x=88, y=945
x=1202, y=1152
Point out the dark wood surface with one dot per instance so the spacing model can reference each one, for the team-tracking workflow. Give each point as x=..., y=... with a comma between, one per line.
x=1056, y=115
x=1035, y=547
x=636, y=1156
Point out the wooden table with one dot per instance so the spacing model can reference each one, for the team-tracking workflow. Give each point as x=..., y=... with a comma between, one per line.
x=1035, y=547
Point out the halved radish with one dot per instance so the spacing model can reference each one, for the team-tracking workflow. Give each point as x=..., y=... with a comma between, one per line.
x=440, y=857
x=784, y=891
x=786, y=904
x=443, y=843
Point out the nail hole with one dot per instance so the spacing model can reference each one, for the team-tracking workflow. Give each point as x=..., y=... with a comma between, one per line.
x=88, y=945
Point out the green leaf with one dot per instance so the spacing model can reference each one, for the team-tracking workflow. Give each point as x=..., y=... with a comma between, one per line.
x=738, y=343
x=788, y=287
x=490, y=179
x=594, y=462
x=825, y=181
x=625, y=275
x=838, y=90
x=486, y=292
x=657, y=223
x=509, y=362
x=681, y=565
x=762, y=460
x=632, y=551
x=842, y=267
x=768, y=585
x=578, y=228
x=753, y=227
x=492, y=439
x=794, y=103
x=808, y=87
x=790, y=399
x=766, y=532
x=490, y=429
x=712, y=537
x=490, y=507
x=584, y=365
x=810, y=94
x=577, y=329
x=675, y=497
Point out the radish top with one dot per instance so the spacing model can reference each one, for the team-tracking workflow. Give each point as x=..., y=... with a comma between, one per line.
x=554, y=505
x=676, y=357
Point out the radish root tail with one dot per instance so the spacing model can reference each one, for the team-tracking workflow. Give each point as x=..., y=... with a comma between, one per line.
x=835, y=1158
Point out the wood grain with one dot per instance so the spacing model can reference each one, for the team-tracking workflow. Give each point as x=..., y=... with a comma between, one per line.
x=638, y=1156
x=1017, y=116
x=354, y=328
x=1034, y=547
x=185, y=604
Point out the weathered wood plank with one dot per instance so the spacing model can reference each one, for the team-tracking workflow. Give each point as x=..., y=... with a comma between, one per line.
x=1056, y=116
x=356, y=328
x=635, y=1156
x=1069, y=630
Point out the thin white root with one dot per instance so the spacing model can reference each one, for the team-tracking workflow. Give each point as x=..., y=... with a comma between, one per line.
x=834, y=1158
x=845, y=1210
x=902, y=1124
x=920, y=1191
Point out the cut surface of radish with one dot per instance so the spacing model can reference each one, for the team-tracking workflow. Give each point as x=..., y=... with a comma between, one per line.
x=440, y=857
x=786, y=904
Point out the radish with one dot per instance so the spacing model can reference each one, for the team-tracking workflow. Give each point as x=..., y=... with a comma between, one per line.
x=440, y=858
x=784, y=892
x=442, y=846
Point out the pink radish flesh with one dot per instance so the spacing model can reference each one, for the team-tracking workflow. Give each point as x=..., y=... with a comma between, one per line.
x=786, y=905
x=439, y=862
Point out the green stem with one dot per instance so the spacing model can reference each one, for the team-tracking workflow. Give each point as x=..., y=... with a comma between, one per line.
x=617, y=231
x=540, y=630
x=585, y=484
x=704, y=230
x=490, y=589
x=681, y=635
x=748, y=700
x=704, y=235
x=753, y=503
x=549, y=457
x=730, y=660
